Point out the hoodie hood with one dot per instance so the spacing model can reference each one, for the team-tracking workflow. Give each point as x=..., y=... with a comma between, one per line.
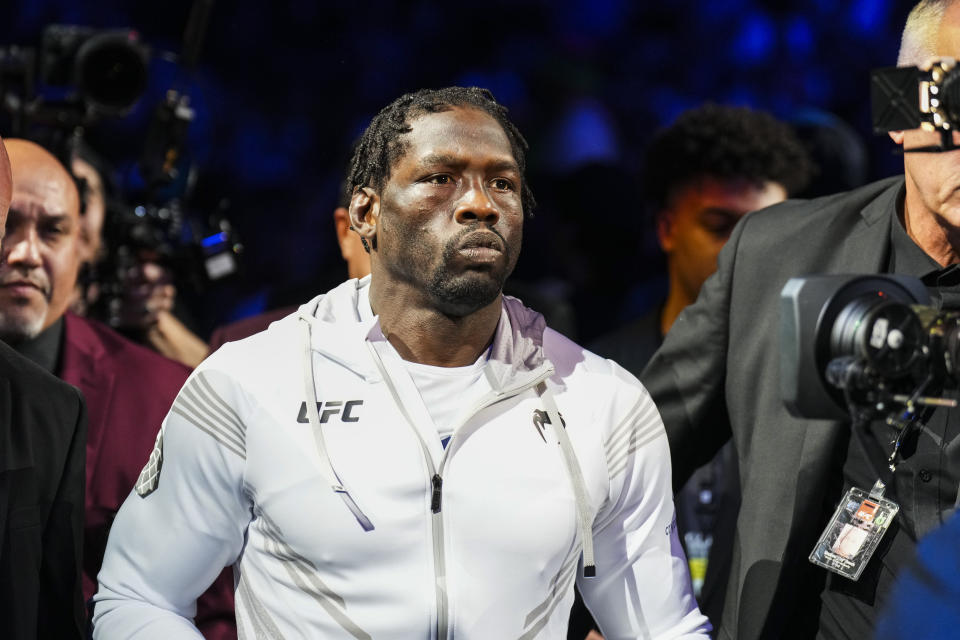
x=337, y=331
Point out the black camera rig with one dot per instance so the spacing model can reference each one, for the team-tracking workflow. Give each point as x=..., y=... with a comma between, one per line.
x=913, y=98
x=79, y=76
x=864, y=347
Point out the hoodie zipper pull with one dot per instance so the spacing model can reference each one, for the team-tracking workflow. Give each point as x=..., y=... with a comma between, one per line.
x=437, y=482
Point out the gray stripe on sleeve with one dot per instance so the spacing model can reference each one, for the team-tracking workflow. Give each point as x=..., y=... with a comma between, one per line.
x=226, y=408
x=640, y=418
x=202, y=404
x=189, y=405
x=216, y=435
x=620, y=463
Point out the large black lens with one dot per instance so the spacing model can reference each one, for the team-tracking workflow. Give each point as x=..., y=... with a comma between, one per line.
x=884, y=334
x=111, y=71
x=950, y=97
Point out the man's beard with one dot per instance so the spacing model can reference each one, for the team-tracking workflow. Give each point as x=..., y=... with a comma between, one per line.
x=23, y=322
x=17, y=327
x=459, y=295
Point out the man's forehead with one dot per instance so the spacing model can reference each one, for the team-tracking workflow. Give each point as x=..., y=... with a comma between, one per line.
x=738, y=195
x=458, y=132
x=43, y=181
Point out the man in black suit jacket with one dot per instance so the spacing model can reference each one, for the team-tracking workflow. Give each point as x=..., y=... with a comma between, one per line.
x=717, y=376
x=42, y=441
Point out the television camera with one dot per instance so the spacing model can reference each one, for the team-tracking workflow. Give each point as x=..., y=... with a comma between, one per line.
x=865, y=347
x=79, y=76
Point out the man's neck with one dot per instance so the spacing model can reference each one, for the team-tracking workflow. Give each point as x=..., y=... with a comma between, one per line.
x=928, y=231
x=423, y=334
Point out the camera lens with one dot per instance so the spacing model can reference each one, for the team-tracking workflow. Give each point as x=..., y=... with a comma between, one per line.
x=950, y=97
x=111, y=71
x=885, y=334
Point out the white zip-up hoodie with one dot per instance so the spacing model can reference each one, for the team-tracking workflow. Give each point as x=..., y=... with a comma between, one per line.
x=353, y=521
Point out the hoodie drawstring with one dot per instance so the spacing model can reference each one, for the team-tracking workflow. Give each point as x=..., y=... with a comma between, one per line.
x=576, y=479
x=326, y=467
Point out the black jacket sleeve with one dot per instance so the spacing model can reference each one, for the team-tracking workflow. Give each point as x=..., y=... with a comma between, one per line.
x=687, y=375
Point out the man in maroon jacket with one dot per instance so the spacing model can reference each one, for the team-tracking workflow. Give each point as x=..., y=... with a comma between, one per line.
x=128, y=388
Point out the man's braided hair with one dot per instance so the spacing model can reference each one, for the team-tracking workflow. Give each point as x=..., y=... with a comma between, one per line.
x=382, y=144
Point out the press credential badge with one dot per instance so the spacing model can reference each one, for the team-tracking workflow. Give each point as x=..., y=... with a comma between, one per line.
x=854, y=531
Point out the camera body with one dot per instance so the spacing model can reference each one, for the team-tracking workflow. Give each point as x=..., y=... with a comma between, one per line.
x=912, y=98
x=863, y=341
x=77, y=75
x=108, y=67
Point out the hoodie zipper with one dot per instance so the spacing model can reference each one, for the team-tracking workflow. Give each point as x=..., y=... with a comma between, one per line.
x=436, y=479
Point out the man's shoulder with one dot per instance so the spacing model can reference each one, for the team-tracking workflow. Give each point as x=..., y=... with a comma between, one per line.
x=38, y=405
x=791, y=216
x=115, y=351
x=581, y=369
x=247, y=360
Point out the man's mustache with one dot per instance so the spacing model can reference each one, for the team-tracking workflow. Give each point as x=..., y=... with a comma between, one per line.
x=36, y=278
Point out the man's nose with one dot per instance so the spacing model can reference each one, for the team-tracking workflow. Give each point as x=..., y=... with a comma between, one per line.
x=477, y=206
x=24, y=249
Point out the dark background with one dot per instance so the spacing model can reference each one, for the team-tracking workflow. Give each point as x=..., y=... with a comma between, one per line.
x=282, y=89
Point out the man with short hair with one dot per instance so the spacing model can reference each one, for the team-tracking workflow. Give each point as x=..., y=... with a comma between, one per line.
x=127, y=387
x=703, y=173
x=43, y=433
x=717, y=377
x=411, y=454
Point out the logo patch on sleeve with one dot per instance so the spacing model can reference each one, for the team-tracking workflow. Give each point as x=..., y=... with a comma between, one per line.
x=149, y=478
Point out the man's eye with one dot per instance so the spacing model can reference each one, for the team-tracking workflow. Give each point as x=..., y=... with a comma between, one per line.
x=720, y=229
x=503, y=184
x=440, y=179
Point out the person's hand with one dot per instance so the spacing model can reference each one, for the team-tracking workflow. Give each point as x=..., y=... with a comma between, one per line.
x=147, y=292
x=171, y=338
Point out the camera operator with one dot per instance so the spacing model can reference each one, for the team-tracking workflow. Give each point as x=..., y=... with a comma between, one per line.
x=147, y=311
x=145, y=307
x=717, y=376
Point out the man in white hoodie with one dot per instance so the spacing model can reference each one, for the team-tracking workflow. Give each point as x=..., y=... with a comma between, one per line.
x=411, y=454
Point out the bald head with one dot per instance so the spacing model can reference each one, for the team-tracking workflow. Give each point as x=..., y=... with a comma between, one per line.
x=35, y=169
x=6, y=186
x=39, y=255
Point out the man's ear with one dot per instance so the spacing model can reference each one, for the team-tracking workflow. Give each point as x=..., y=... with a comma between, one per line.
x=664, y=219
x=897, y=137
x=365, y=214
x=341, y=222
